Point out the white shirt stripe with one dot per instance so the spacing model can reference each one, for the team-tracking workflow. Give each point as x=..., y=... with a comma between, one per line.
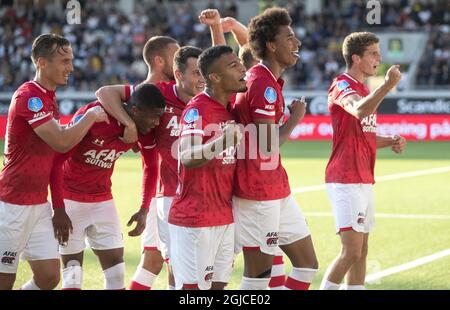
x=264, y=112
x=193, y=131
x=38, y=118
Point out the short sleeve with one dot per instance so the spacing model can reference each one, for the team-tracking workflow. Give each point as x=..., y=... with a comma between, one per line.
x=262, y=98
x=35, y=110
x=341, y=90
x=193, y=122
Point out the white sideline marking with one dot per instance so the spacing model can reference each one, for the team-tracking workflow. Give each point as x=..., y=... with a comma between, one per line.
x=389, y=177
x=413, y=264
x=389, y=216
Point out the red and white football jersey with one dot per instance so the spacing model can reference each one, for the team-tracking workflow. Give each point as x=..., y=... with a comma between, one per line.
x=204, y=195
x=28, y=160
x=354, y=142
x=263, y=100
x=88, y=167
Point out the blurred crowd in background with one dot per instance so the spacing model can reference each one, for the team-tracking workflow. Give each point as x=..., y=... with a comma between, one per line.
x=108, y=43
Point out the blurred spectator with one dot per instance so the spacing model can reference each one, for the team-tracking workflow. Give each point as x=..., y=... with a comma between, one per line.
x=108, y=44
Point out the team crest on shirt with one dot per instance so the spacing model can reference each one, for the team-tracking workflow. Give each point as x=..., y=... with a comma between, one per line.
x=35, y=104
x=270, y=94
x=191, y=115
x=341, y=85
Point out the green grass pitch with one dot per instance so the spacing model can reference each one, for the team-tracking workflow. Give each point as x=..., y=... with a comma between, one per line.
x=395, y=241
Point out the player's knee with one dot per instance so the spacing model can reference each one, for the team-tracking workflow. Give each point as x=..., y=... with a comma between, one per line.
x=115, y=277
x=7, y=281
x=153, y=261
x=351, y=256
x=48, y=280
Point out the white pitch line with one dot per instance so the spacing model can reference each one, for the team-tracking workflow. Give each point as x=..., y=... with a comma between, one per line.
x=389, y=177
x=413, y=264
x=390, y=216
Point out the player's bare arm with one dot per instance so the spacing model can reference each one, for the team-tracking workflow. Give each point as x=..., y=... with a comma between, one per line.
x=363, y=107
x=239, y=31
x=62, y=138
x=396, y=143
x=211, y=17
x=193, y=151
x=297, y=110
x=111, y=98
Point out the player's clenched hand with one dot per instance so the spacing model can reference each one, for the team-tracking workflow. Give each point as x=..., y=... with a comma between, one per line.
x=393, y=76
x=62, y=225
x=140, y=218
x=228, y=23
x=298, y=108
x=130, y=134
x=399, y=144
x=100, y=114
x=210, y=17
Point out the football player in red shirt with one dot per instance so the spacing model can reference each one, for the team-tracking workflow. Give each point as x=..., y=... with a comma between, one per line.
x=158, y=54
x=32, y=139
x=350, y=171
x=85, y=189
x=155, y=239
x=240, y=32
x=262, y=192
x=201, y=218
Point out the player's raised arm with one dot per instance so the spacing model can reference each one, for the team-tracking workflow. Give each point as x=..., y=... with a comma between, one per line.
x=62, y=139
x=239, y=31
x=111, y=97
x=211, y=17
x=363, y=107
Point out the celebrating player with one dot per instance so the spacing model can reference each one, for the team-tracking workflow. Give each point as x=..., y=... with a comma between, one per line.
x=200, y=218
x=158, y=54
x=350, y=171
x=189, y=83
x=86, y=189
x=33, y=135
x=262, y=193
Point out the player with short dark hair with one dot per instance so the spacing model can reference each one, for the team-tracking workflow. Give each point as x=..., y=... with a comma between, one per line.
x=350, y=171
x=188, y=83
x=200, y=218
x=85, y=188
x=262, y=192
x=33, y=136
